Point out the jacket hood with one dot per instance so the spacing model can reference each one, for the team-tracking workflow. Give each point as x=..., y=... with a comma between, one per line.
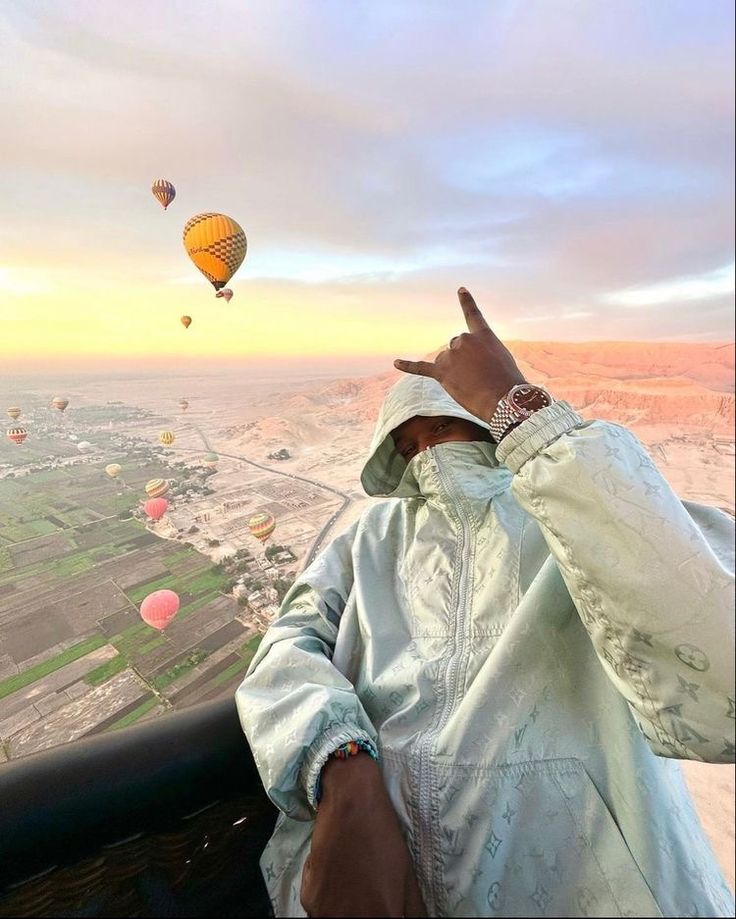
x=386, y=473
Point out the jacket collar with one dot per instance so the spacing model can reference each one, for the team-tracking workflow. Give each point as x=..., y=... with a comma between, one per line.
x=385, y=471
x=454, y=472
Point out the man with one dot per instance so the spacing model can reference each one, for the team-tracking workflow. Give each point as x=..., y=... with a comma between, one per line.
x=507, y=658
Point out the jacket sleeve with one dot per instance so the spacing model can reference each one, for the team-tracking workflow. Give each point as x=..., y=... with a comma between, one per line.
x=294, y=706
x=651, y=576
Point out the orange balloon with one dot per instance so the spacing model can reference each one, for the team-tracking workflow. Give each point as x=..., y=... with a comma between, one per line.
x=217, y=245
x=186, y=321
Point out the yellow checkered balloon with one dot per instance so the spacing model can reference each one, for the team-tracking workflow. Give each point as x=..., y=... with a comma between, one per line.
x=217, y=246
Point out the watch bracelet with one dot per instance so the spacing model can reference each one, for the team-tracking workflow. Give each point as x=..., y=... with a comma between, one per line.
x=503, y=420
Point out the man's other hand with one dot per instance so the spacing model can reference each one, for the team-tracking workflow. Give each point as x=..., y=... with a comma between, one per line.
x=359, y=864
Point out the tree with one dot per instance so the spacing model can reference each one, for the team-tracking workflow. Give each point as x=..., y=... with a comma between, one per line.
x=281, y=586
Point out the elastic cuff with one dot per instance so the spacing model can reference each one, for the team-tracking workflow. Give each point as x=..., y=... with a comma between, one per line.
x=536, y=433
x=321, y=751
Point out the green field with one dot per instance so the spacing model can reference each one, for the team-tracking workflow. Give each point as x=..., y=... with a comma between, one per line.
x=47, y=501
x=14, y=683
x=134, y=716
x=192, y=660
x=103, y=673
x=74, y=568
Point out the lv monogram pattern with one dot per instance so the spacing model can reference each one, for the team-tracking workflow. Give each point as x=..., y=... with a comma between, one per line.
x=531, y=648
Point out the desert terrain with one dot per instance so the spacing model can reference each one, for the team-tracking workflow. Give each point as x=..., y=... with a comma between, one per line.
x=678, y=399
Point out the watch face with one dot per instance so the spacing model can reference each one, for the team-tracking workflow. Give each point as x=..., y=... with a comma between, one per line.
x=529, y=398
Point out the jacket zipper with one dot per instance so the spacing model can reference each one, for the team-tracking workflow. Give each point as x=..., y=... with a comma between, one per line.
x=450, y=678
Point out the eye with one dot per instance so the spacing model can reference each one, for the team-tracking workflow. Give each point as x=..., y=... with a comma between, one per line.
x=409, y=452
x=440, y=426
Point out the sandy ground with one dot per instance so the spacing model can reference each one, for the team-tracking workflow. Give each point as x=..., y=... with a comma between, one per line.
x=678, y=399
x=686, y=426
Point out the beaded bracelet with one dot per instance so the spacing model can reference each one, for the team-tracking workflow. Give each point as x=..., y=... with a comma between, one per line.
x=351, y=748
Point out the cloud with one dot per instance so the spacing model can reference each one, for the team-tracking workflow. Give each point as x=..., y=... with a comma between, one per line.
x=677, y=290
x=551, y=159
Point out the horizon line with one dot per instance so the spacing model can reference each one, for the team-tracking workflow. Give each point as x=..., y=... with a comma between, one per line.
x=84, y=362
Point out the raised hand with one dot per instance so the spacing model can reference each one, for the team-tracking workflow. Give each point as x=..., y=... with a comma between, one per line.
x=477, y=369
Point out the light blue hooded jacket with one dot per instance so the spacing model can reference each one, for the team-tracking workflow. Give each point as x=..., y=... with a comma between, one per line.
x=530, y=635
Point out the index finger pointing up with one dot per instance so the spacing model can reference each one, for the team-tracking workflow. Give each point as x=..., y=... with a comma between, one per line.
x=473, y=315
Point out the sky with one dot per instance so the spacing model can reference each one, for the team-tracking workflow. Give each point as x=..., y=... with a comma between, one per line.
x=571, y=163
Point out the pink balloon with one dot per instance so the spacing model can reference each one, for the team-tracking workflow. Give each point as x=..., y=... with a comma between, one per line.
x=159, y=608
x=156, y=508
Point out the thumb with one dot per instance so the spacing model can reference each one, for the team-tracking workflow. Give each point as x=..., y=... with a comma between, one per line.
x=305, y=893
x=420, y=368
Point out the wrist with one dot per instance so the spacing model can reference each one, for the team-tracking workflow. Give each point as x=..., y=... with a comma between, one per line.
x=492, y=400
x=342, y=781
x=515, y=406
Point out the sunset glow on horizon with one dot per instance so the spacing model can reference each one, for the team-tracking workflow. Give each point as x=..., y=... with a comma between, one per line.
x=575, y=175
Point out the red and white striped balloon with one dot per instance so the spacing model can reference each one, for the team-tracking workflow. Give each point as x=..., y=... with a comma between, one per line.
x=17, y=435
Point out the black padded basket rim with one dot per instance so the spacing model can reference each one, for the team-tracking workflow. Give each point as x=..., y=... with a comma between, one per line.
x=62, y=806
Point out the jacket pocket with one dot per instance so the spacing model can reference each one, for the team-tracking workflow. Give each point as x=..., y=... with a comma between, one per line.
x=532, y=839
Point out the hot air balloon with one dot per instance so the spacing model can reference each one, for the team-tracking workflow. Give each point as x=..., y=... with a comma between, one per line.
x=211, y=459
x=217, y=246
x=186, y=321
x=159, y=608
x=183, y=404
x=167, y=438
x=84, y=446
x=113, y=470
x=226, y=293
x=156, y=488
x=17, y=435
x=261, y=526
x=164, y=192
x=59, y=403
x=156, y=508
x=14, y=413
